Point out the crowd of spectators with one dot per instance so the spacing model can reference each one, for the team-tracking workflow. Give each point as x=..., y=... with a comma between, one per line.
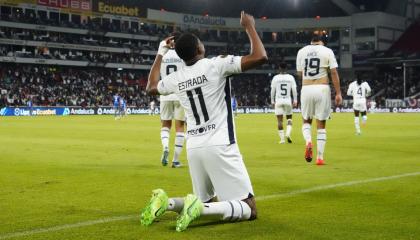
x=71, y=86
x=47, y=86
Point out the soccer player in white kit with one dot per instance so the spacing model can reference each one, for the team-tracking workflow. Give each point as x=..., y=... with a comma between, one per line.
x=359, y=90
x=282, y=87
x=216, y=166
x=314, y=62
x=171, y=109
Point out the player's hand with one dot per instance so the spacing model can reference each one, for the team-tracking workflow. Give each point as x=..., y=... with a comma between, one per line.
x=247, y=20
x=338, y=100
x=165, y=45
x=295, y=104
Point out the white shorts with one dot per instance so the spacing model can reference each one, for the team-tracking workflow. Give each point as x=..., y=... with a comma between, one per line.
x=316, y=102
x=359, y=106
x=283, y=109
x=219, y=171
x=171, y=110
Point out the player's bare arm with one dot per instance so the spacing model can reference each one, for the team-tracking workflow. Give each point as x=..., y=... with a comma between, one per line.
x=154, y=74
x=258, y=55
x=336, y=83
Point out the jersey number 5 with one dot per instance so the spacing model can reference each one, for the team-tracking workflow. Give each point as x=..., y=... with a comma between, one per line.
x=312, y=63
x=199, y=93
x=283, y=89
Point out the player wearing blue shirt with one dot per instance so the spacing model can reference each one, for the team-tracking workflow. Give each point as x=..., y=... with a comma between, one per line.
x=30, y=105
x=116, y=101
x=234, y=105
x=123, y=107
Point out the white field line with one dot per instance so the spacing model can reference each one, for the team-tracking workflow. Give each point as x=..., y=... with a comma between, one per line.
x=261, y=198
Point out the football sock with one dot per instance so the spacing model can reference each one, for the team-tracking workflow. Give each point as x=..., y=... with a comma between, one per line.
x=228, y=210
x=164, y=136
x=320, y=142
x=175, y=204
x=281, y=134
x=179, y=143
x=364, y=119
x=356, y=124
x=289, y=127
x=306, y=131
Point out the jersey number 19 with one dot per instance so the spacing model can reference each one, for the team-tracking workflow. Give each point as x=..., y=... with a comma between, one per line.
x=312, y=63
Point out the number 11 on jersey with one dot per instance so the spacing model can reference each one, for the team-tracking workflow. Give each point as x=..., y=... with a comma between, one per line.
x=199, y=93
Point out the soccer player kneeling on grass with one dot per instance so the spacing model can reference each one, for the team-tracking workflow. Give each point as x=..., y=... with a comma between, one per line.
x=216, y=166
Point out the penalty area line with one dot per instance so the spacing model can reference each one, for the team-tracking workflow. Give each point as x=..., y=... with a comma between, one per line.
x=260, y=198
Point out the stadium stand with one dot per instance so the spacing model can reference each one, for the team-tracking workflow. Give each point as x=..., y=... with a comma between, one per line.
x=62, y=67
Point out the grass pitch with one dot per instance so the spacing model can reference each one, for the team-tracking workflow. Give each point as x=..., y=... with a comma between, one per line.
x=67, y=177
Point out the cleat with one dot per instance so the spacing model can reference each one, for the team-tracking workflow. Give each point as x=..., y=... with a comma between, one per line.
x=282, y=142
x=289, y=139
x=192, y=210
x=320, y=162
x=358, y=133
x=156, y=207
x=176, y=164
x=308, y=152
x=164, y=158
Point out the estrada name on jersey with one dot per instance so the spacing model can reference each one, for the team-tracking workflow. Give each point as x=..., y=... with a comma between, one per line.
x=282, y=87
x=314, y=61
x=359, y=92
x=204, y=92
x=170, y=63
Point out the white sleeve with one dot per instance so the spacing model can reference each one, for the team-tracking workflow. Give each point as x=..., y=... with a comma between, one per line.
x=273, y=91
x=299, y=66
x=331, y=60
x=350, y=90
x=368, y=90
x=166, y=86
x=228, y=65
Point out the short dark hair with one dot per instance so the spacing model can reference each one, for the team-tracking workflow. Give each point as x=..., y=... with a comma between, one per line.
x=318, y=35
x=176, y=35
x=186, y=46
x=359, y=79
x=283, y=66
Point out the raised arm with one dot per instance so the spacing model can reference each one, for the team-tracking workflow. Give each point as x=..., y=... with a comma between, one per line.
x=154, y=75
x=258, y=55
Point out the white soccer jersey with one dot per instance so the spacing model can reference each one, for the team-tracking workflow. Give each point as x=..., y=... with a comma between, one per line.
x=314, y=61
x=170, y=63
x=359, y=92
x=282, y=87
x=204, y=92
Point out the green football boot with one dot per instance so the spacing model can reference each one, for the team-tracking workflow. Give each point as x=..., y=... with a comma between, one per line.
x=157, y=207
x=192, y=210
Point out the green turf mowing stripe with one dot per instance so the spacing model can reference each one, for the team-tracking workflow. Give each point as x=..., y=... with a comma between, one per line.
x=261, y=198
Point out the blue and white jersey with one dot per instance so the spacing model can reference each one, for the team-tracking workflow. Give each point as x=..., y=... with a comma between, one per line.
x=123, y=104
x=116, y=100
x=30, y=103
